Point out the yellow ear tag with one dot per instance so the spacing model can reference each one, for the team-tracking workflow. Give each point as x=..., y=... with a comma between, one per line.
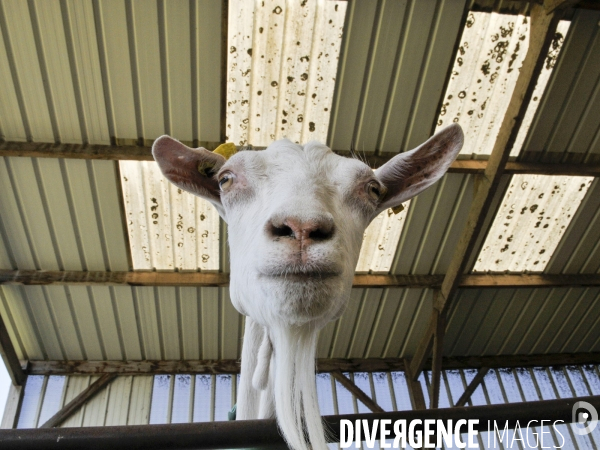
x=226, y=150
x=397, y=209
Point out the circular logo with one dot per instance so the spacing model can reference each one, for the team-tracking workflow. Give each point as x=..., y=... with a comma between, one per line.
x=585, y=421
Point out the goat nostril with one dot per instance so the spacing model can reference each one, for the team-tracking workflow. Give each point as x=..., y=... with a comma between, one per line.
x=320, y=234
x=284, y=231
x=302, y=231
x=281, y=230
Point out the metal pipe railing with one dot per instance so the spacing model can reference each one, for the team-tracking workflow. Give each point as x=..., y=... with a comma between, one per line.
x=264, y=433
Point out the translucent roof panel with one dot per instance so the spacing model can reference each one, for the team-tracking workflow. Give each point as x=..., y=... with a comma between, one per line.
x=491, y=52
x=168, y=228
x=533, y=216
x=381, y=241
x=540, y=87
x=282, y=64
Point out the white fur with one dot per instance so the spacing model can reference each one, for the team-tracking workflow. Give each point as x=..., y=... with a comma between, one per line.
x=261, y=373
x=289, y=287
x=283, y=181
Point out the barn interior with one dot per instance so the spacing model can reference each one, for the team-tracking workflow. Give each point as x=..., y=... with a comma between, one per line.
x=484, y=291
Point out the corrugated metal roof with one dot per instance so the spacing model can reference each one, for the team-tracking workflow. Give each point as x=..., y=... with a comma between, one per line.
x=119, y=323
x=393, y=66
x=121, y=71
x=378, y=323
x=566, y=127
x=524, y=321
x=282, y=63
x=61, y=214
x=122, y=323
x=433, y=226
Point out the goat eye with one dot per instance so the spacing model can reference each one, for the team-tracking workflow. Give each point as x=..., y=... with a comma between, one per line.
x=374, y=190
x=226, y=180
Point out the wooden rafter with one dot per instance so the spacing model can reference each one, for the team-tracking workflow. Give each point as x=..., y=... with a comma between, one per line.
x=415, y=390
x=87, y=394
x=12, y=410
x=356, y=391
x=136, y=153
x=475, y=382
x=543, y=28
x=472, y=281
x=436, y=362
x=11, y=361
x=231, y=366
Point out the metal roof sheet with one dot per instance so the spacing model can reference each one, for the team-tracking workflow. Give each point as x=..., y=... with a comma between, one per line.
x=393, y=66
x=111, y=71
x=524, y=321
x=378, y=323
x=118, y=323
x=434, y=223
x=118, y=71
x=566, y=127
x=61, y=214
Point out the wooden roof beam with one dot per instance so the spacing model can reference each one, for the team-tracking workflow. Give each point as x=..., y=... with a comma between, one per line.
x=203, y=279
x=415, y=390
x=232, y=366
x=543, y=29
x=138, y=153
x=356, y=391
x=436, y=361
x=88, y=393
x=11, y=361
x=473, y=385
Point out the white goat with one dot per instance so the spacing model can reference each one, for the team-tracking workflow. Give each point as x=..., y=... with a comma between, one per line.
x=296, y=218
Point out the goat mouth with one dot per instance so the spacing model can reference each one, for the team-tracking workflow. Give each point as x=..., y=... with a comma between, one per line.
x=300, y=273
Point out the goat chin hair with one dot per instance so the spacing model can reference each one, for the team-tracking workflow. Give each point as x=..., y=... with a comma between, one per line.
x=296, y=404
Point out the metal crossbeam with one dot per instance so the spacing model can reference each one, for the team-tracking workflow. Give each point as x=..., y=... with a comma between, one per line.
x=264, y=433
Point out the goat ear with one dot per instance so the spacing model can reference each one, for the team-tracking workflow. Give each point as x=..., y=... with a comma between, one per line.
x=191, y=169
x=409, y=173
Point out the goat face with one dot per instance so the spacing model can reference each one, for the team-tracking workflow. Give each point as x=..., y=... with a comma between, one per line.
x=296, y=218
